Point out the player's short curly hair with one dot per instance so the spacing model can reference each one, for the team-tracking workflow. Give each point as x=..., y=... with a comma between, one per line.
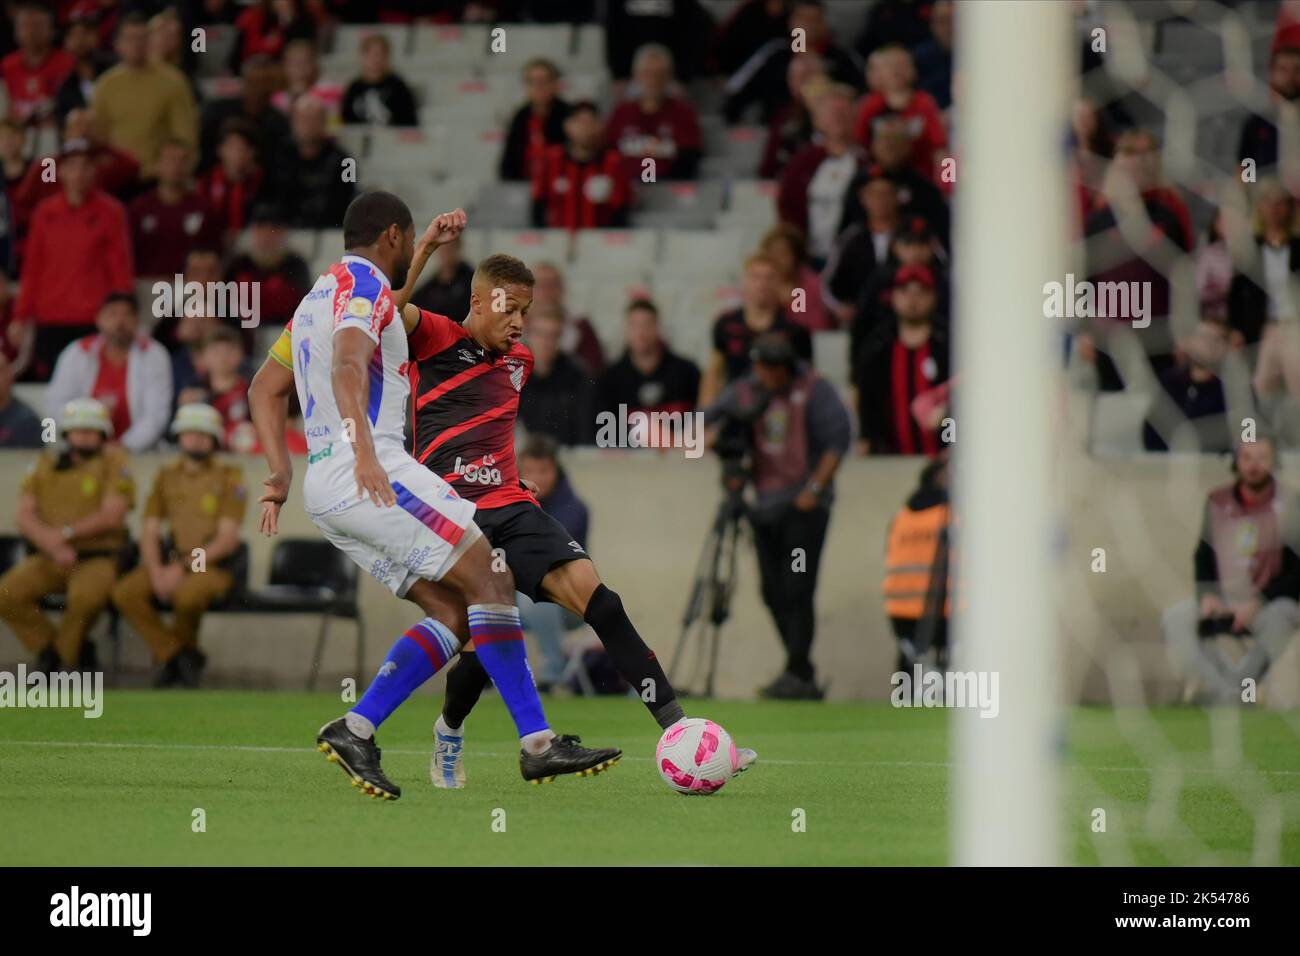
x=501, y=269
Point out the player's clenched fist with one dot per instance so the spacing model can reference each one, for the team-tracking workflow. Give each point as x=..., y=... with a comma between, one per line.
x=444, y=228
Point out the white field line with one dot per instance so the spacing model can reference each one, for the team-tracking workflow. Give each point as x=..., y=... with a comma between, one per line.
x=250, y=748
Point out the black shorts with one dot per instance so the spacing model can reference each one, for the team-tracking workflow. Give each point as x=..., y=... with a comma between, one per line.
x=532, y=540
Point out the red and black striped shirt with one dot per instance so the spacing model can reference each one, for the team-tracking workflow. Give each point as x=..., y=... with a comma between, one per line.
x=580, y=195
x=465, y=402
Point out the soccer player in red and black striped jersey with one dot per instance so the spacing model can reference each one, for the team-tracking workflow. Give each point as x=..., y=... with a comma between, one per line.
x=470, y=375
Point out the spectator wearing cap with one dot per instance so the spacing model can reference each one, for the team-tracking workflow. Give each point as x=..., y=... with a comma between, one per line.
x=238, y=181
x=798, y=438
x=897, y=364
x=140, y=104
x=84, y=233
x=815, y=183
x=302, y=78
x=864, y=245
x=734, y=331
x=915, y=245
x=116, y=171
x=798, y=285
x=90, y=60
x=654, y=124
x=19, y=426
x=378, y=97
x=762, y=78
x=310, y=186
x=448, y=290
x=577, y=335
x=580, y=185
x=648, y=376
x=172, y=218
x=268, y=127
x=129, y=373
x=201, y=502
x=1260, y=136
x=891, y=78
x=791, y=127
x=281, y=274
x=72, y=508
x=537, y=124
x=933, y=56
x=559, y=396
x=34, y=72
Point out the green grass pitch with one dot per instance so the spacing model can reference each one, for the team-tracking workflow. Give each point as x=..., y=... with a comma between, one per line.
x=873, y=783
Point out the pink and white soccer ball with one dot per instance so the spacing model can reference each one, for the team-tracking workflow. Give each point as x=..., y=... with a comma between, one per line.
x=696, y=755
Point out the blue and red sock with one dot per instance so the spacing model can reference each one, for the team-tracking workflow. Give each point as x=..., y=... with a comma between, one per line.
x=417, y=655
x=499, y=641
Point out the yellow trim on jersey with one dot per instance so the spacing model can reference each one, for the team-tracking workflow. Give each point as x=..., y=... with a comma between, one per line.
x=282, y=350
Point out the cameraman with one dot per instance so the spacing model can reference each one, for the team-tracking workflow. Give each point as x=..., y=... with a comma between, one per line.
x=796, y=430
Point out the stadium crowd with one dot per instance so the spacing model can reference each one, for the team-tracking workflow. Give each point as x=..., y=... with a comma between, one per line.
x=123, y=169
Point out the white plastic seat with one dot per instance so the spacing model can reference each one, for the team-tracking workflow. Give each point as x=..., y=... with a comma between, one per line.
x=713, y=254
x=625, y=255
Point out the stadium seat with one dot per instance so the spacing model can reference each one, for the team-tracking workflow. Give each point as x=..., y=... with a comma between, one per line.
x=503, y=205
x=471, y=150
x=689, y=316
x=354, y=141
x=345, y=52
x=742, y=148
x=751, y=206
x=603, y=301
x=831, y=356
x=303, y=242
x=625, y=254
x=534, y=245
x=452, y=48
x=523, y=42
x=310, y=576
x=681, y=205
x=393, y=148
x=1116, y=427
x=589, y=52
x=716, y=254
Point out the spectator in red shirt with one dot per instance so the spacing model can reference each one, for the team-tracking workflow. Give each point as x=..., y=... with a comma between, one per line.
x=34, y=72
x=537, y=124
x=655, y=124
x=791, y=128
x=580, y=185
x=281, y=274
x=898, y=363
x=891, y=78
x=267, y=26
x=116, y=171
x=232, y=186
x=815, y=183
x=171, y=219
x=78, y=251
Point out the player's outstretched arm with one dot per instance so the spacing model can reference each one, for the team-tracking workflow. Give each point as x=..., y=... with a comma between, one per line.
x=268, y=402
x=444, y=229
x=350, y=377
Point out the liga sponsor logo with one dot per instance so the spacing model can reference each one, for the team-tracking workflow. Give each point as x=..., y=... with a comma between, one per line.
x=638, y=429
x=76, y=909
x=75, y=690
x=217, y=300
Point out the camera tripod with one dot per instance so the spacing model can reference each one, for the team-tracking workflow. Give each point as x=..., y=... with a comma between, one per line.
x=709, y=604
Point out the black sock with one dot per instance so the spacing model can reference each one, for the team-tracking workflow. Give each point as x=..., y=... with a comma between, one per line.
x=465, y=682
x=634, y=660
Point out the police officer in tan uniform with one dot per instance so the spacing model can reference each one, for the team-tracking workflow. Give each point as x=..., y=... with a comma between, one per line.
x=202, y=501
x=72, y=508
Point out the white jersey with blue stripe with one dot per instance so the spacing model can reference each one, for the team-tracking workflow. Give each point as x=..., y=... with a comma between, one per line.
x=353, y=294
